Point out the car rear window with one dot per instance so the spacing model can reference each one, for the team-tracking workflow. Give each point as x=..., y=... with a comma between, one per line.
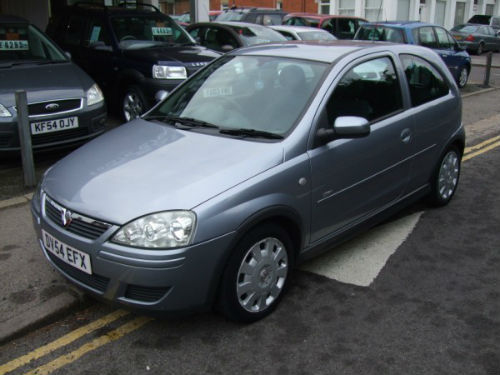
x=258, y=35
x=465, y=28
x=380, y=33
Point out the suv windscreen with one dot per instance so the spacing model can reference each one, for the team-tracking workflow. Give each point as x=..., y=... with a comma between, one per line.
x=380, y=33
x=255, y=93
x=258, y=35
x=135, y=32
x=23, y=42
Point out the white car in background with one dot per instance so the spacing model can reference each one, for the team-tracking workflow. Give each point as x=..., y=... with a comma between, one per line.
x=303, y=33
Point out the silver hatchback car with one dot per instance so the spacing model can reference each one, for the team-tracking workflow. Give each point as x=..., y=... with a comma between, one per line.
x=266, y=157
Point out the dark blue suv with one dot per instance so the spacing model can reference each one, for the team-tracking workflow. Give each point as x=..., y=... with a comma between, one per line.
x=424, y=34
x=132, y=53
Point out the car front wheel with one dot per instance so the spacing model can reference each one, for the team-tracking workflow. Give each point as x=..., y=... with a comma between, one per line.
x=257, y=274
x=133, y=103
x=445, y=179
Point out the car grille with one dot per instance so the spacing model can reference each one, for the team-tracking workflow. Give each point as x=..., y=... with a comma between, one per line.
x=37, y=109
x=80, y=225
x=97, y=282
x=4, y=140
x=145, y=294
x=64, y=135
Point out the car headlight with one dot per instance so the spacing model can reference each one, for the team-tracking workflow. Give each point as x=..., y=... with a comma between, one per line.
x=4, y=112
x=169, y=72
x=94, y=95
x=161, y=230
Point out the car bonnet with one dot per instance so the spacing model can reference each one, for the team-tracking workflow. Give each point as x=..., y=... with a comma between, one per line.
x=144, y=167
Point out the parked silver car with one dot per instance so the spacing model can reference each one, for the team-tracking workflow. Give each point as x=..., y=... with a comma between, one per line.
x=268, y=156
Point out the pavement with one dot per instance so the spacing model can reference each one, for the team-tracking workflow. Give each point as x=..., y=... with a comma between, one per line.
x=34, y=294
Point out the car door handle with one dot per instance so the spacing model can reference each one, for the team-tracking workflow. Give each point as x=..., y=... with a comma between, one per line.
x=406, y=136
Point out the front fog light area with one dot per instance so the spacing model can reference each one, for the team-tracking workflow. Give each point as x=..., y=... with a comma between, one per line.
x=162, y=230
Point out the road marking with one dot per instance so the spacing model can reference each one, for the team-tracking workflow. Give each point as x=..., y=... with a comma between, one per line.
x=63, y=341
x=90, y=346
x=481, y=148
x=360, y=260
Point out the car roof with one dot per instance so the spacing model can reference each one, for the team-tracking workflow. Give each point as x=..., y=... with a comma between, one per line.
x=5, y=18
x=324, y=51
x=400, y=24
x=297, y=29
x=320, y=16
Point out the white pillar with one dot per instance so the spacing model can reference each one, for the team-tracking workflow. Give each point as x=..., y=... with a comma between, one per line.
x=481, y=7
x=414, y=8
x=432, y=11
x=449, y=17
x=390, y=9
x=469, y=9
x=359, y=8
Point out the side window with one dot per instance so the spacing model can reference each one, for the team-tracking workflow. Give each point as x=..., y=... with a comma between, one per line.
x=425, y=82
x=453, y=42
x=426, y=37
x=74, y=30
x=442, y=36
x=370, y=90
x=97, y=35
x=329, y=25
x=287, y=35
x=195, y=33
x=347, y=28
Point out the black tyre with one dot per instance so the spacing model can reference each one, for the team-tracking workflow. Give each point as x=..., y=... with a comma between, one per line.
x=445, y=180
x=463, y=77
x=480, y=49
x=133, y=103
x=257, y=274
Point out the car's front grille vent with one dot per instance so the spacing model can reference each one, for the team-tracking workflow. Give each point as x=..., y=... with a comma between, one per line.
x=54, y=107
x=97, y=282
x=75, y=223
x=40, y=139
x=4, y=140
x=145, y=294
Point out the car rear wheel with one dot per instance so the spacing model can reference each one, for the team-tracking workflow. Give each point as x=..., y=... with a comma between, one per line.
x=480, y=49
x=463, y=77
x=133, y=103
x=445, y=179
x=257, y=274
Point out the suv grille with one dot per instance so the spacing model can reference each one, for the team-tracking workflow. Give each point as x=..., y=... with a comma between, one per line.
x=54, y=107
x=78, y=224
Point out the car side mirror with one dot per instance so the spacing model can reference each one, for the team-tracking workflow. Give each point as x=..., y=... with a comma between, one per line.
x=161, y=95
x=345, y=127
x=351, y=127
x=68, y=55
x=226, y=47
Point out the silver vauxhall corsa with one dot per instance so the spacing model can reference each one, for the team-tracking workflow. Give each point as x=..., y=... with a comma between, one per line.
x=267, y=156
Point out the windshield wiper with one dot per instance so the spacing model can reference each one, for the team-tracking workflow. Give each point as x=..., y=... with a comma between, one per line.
x=184, y=121
x=251, y=133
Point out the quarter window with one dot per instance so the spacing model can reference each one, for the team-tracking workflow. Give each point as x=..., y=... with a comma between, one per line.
x=442, y=36
x=426, y=37
x=424, y=81
x=370, y=90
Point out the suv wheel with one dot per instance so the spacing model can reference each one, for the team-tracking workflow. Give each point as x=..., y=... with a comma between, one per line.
x=257, y=274
x=133, y=103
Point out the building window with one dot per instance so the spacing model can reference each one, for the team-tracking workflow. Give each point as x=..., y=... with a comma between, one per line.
x=324, y=7
x=346, y=7
x=374, y=10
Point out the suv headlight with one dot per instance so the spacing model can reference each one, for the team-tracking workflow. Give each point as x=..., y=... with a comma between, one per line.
x=4, y=112
x=161, y=230
x=94, y=95
x=169, y=72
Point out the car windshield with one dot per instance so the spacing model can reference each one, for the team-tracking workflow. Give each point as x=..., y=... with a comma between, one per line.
x=256, y=93
x=315, y=35
x=465, y=28
x=231, y=15
x=257, y=35
x=135, y=32
x=380, y=33
x=21, y=43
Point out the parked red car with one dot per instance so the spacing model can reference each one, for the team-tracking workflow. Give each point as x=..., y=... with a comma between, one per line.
x=343, y=27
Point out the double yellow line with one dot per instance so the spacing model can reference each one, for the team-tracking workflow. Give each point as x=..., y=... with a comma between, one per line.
x=481, y=148
x=73, y=336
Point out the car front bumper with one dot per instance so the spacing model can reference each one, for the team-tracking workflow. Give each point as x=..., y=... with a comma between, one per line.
x=91, y=122
x=169, y=281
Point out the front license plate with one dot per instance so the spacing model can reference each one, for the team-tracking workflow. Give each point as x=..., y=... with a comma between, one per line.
x=50, y=126
x=67, y=254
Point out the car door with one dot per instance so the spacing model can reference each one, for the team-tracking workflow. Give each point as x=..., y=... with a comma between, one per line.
x=352, y=178
x=97, y=53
